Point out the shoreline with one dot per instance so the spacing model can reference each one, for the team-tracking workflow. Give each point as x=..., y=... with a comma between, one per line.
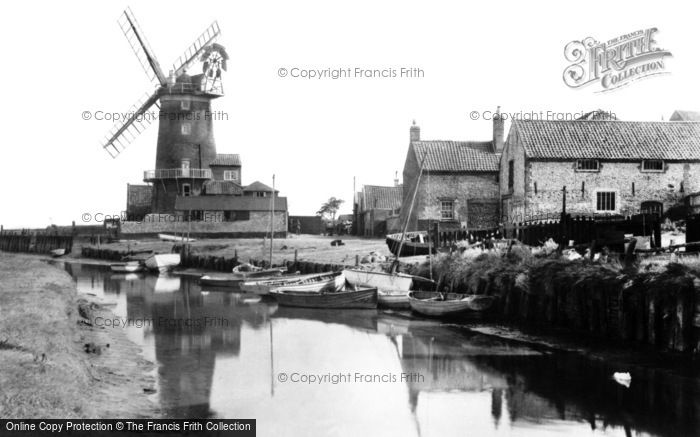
x=44, y=334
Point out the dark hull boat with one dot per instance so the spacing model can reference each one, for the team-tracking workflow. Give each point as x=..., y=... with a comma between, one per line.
x=347, y=299
x=414, y=244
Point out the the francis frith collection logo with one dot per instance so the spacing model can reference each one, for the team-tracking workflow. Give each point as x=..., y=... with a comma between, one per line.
x=614, y=63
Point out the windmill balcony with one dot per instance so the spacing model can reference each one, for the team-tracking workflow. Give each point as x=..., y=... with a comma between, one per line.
x=176, y=173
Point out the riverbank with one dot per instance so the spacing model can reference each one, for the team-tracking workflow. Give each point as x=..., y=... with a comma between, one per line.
x=309, y=248
x=45, y=370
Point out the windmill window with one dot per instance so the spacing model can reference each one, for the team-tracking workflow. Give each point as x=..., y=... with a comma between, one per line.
x=587, y=165
x=185, y=105
x=653, y=165
x=186, y=128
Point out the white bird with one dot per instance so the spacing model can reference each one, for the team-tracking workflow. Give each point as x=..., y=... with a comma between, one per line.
x=623, y=378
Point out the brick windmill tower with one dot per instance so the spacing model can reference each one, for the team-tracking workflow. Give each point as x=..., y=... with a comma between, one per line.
x=186, y=145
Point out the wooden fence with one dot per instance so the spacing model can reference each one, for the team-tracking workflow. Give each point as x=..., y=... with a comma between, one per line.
x=607, y=231
x=35, y=243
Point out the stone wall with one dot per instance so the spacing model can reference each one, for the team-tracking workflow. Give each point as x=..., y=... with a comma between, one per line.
x=545, y=181
x=475, y=197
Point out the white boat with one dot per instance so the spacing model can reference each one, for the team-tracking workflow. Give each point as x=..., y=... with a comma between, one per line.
x=58, y=252
x=392, y=290
x=127, y=267
x=380, y=280
x=163, y=262
x=395, y=299
x=445, y=304
x=263, y=286
x=332, y=282
x=175, y=238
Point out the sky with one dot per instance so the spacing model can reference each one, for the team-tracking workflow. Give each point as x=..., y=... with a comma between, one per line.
x=315, y=135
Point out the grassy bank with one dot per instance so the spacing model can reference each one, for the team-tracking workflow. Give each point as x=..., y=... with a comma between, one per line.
x=44, y=369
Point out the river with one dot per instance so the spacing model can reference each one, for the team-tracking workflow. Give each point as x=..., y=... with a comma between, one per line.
x=365, y=372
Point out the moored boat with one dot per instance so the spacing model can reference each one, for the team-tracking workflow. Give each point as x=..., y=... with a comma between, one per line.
x=162, y=262
x=58, y=252
x=175, y=238
x=326, y=283
x=127, y=267
x=361, y=298
x=414, y=243
x=236, y=279
x=381, y=280
x=444, y=304
x=394, y=299
x=263, y=287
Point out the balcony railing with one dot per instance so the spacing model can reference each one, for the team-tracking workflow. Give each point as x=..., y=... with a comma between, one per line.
x=173, y=173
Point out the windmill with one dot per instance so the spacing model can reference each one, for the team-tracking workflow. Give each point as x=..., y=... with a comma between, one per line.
x=186, y=144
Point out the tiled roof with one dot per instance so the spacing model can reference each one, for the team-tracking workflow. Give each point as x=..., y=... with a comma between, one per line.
x=456, y=156
x=378, y=197
x=685, y=116
x=222, y=187
x=258, y=186
x=226, y=159
x=228, y=203
x=614, y=140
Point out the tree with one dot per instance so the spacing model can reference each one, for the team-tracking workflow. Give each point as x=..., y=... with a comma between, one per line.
x=330, y=208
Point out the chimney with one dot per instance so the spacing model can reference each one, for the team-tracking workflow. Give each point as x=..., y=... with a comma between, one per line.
x=415, y=132
x=497, y=131
x=396, y=178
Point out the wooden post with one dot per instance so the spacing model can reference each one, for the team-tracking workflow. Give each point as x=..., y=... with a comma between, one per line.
x=357, y=260
x=296, y=253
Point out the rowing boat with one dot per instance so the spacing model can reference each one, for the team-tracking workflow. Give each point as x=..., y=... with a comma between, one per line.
x=392, y=289
x=236, y=279
x=263, y=286
x=413, y=244
x=394, y=299
x=127, y=267
x=163, y=262
x=362, y=298
x=444, y=304
x=58, y=252
x=329, y=282
x=175, y=238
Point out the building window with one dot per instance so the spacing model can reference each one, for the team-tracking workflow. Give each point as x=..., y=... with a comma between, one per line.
x=231, y=175
x=447, y=210
x=260, y=194
x=236, y=216
x=511, y=175
x=652, y=165
x=185, y=128
x=605, y=201
x=186, y=190
x=587, y=165
x=185, y=105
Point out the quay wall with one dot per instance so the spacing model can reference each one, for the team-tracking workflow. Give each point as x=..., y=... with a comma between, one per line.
x=657, y=308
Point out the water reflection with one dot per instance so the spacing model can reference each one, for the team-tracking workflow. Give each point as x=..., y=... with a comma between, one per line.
x=463, y=383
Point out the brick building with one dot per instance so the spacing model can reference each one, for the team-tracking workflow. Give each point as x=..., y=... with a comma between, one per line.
x=459, y=184
x=602, y=166
x=374, y=205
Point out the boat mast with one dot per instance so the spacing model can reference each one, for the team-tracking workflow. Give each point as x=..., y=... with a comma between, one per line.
x=410, y=211
x=272, y=219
